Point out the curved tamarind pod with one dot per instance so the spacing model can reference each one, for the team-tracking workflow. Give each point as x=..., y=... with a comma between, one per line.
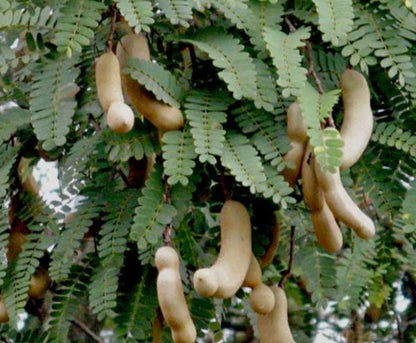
x=4, y=316
x=226, y=275
x=108, y=80
x=274, y=327
x=161, y=115
x=357, y=124
x=327, y=231
x=171, y=298
x=296, y=131
x=341, y=205
x=14, y=247
x=120, y=117
x=261, y=297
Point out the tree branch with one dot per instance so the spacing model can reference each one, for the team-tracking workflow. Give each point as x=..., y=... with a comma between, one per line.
x=84, y=328
x=223, y=182
x=288, y=272
x=110, y=37
x=168, y=232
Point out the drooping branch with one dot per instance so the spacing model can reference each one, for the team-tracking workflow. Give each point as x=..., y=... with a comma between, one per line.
x=168, y=232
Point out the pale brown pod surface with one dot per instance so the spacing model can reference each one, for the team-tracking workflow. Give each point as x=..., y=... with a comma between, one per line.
x=227, y=274
x=327, y=231
x=296, y=130
x=171, y=297
x=108, y=80
x=261, y=297
x=341, y=204
x=274, y=327
x=357, y=124
x=161, y=115
x=120, y=117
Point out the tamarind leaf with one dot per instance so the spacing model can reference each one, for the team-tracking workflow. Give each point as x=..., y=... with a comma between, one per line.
x=70, y=239
x=226, y=51
x=178, y=156
x=156, y=79
x=284, y=50
x=318, y=269
x=111, y=247
x=138, y=13
x=11, y=119
x=77, y=20
x=242, y=159
x=53, y=101
x=335, y=19
x=179, y=12
x=266, y=89
x=153, y=213
x=393, y=136
x=8, y=158
x=327, y=143
x=206, y=112
x=411, y=4
x=4, y=235
x=268, y=132
x=66, y=302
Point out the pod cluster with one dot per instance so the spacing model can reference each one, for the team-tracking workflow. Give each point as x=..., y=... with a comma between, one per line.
x=323, y=191
x=235, y=267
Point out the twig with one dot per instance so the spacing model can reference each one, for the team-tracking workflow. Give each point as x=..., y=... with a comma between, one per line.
x=86, y=330
x=288, y=272
x=223, y=183
x=400, y=335
x=110, y=37
x=292, y=27
x=168, y=232
x=95, y=124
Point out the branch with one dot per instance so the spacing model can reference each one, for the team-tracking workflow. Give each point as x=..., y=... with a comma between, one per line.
x=168, y=232
x=84, y=328
x=110, y=37
x=225, y=190
x=288, y=273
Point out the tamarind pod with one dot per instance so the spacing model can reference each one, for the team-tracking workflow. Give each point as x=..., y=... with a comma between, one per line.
x=39, y=284
x=120, y=117
x=171, y=297
x=28, y=182
x=108, y=80
x=261, y=297
x=327, y=231
x=161, y=115
x=341, y=205
x=4, y=316
x=157, y=328
x=274, y=327
x=357, y=124
x=226, y=275
x=14, y=246
x=296, y=130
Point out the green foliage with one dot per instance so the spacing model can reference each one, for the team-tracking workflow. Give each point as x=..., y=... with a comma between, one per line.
x=178, y=155
x=206, y=112
x=157, y=80
x=284, y=50
x=52, y=101
x=239, y=71
x=75, y=27
x=107, y=201
x=335, y=19
x=138, y=13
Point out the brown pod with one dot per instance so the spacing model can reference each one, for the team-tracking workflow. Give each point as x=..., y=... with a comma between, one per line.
x=226, y=275
x=326, y=228
x=261, y=297
x=28, y=182
x=39, y=284
x=108, y=80
x=357, y=124
x=4, y=316
x=171, y=297
x=341, y=204
x=120, y=117
x=296, y=130
x=161, y=115
x=274, y=327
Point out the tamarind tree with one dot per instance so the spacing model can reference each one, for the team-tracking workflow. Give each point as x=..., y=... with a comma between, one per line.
x=78, y=261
